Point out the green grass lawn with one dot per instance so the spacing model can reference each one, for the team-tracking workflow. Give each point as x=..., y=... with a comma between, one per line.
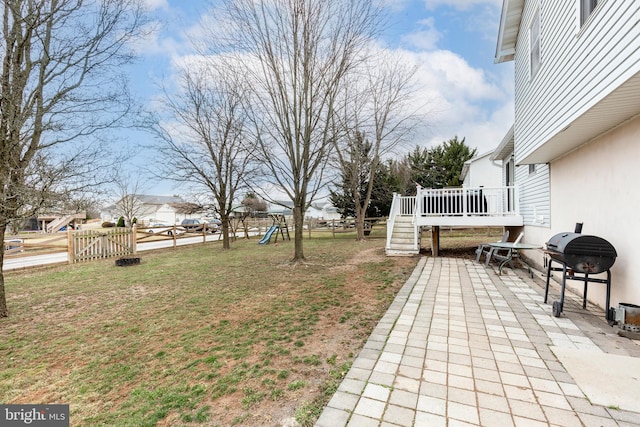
x=195, y=335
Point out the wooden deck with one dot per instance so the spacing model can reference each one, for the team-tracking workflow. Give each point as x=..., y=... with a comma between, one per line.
x=453, y=207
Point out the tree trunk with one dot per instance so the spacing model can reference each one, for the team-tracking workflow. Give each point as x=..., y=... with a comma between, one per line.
x=245, y=225
x=298, y=223
x=3, y=300
x=225, y=232
x=360, y=214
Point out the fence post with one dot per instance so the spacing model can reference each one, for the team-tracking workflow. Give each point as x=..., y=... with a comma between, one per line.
x=134, y=239
x=70, y=251
x=174, y=235
x=104, y=243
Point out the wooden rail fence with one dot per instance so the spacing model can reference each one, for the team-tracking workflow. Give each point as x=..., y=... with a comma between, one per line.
x=90, y=244
x=93, y=244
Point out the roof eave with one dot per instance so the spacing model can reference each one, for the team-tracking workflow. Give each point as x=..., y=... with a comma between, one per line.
x=508, y=30
x=505, y=149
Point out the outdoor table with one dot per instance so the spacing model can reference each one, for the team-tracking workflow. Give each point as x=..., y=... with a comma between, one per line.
x=514, y=253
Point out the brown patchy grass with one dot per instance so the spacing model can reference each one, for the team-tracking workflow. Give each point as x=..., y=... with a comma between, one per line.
x=196, y=335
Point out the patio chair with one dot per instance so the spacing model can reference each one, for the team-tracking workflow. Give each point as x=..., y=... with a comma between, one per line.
x=502, y=254
x=484, y=248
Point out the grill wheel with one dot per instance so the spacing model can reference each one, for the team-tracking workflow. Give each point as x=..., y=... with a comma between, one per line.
x=557, y=308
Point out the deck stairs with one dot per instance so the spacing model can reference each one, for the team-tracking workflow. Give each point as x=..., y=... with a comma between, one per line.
x=57, y=224
x=405, y=237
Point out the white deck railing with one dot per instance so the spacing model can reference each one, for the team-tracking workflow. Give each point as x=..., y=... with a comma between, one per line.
x=480, y=206
x=407, y=205
x=479, y=201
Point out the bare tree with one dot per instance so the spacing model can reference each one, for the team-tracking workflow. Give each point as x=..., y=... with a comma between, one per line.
x=374, y=119
x=61, y=62
x=297, y=53
x=129, y=204
x=204, y=135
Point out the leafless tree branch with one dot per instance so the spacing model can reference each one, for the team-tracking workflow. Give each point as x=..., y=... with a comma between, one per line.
x=297, y=53
x=204, y=138
x=61, y=84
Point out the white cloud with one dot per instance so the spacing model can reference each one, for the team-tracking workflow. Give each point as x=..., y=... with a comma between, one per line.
x=471, y=102
x=452, y=75
x=461, y=4
x=425, y=39
x=156, y=42
x=156, y=4
x=457, y=99
x=395, y=5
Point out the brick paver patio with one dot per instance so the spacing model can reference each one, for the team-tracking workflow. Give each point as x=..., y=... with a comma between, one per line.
x=462, y=346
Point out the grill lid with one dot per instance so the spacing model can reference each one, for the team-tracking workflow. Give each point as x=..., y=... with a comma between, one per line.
x=584, y=253
x=581, y=244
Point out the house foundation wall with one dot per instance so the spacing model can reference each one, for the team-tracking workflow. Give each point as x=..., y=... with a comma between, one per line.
x=598, y=185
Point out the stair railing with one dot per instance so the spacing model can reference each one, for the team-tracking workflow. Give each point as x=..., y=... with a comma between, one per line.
x=393, y=212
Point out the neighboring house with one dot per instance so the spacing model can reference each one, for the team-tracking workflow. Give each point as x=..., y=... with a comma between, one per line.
x=325, y=211
x=481, y=171
x=330, y=212
x=151, y=209
x=575, y=141
x=281, y=207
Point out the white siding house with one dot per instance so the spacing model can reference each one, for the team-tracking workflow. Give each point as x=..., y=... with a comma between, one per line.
x=325, y=211
x=149, y=209
x=576, y=138
x=481, y=171
x=504, y=154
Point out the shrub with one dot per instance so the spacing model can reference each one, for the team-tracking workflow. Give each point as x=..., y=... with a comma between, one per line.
x=108, y=224
x=120, y=222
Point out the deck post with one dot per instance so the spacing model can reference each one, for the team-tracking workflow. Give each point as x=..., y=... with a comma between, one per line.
x=435, y=240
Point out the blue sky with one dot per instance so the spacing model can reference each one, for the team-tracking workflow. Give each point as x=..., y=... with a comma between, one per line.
x=452, y=42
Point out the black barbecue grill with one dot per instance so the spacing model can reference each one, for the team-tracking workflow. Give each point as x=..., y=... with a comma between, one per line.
x=579, y=255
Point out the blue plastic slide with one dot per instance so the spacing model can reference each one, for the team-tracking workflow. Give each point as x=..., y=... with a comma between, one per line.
x=267, y=236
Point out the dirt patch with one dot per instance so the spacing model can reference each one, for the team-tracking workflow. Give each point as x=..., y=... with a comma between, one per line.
x=464, y=252
x=337, y=336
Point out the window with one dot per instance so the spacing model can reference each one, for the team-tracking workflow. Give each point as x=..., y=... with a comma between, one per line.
x=532, y=169
x=586, y=8
x=534, y=44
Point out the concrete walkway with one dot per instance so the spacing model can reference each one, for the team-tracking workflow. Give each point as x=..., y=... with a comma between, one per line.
x=462, y=346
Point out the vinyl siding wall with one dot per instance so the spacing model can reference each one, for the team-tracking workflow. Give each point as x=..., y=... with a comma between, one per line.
x=579, y=66
x=534, y=195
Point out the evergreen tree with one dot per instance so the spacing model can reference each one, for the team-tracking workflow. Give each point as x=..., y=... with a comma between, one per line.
x=386, y=182
x=435, y=167
x=441, y=165
x=451, y=159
